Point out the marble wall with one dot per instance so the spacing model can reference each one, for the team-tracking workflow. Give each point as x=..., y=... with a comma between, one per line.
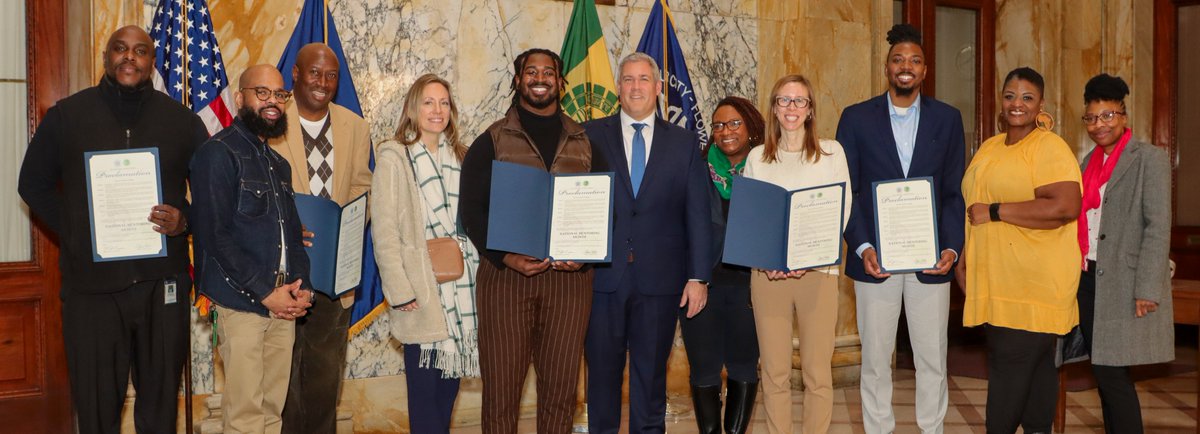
x=733, y=47
x=1068, y=42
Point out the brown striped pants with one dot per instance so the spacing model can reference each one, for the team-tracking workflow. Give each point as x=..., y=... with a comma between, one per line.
x=542, y=319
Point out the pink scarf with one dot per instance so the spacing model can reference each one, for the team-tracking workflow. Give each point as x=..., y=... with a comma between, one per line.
x=1096, y=175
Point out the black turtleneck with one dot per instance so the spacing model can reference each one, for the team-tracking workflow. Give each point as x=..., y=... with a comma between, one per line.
x=543, y=130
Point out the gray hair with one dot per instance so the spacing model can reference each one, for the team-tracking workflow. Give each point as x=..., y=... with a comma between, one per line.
x=638, y=56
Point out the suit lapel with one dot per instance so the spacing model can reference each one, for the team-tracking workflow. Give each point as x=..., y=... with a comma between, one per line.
x=341, y=163
x=887, y=142
x=658, y=155
x=294, y=147
x=617, y=147
x=1128, y=159
x=923, y=143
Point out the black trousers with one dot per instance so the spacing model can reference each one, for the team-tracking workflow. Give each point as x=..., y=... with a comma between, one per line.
x=318, y=359
x=722, y=336
x=1022, y=381
x=129, y=334
x=1118, y=398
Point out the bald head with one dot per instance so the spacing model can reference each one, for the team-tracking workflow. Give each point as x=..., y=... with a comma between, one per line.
x=129, y=57
x=315, y=80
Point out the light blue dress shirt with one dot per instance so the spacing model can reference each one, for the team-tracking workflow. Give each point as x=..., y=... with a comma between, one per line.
x=904, y=130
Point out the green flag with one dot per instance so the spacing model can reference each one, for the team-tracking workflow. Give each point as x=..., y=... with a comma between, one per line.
x=590, y=93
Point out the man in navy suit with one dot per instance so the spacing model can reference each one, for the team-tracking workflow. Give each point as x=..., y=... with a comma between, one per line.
x=661, y=252
x=903, y=134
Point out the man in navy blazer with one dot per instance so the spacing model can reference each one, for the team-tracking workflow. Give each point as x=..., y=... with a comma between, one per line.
x=903, y=134
x=661, y=252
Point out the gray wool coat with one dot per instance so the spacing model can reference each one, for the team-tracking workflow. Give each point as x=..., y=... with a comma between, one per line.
x=1131, y=260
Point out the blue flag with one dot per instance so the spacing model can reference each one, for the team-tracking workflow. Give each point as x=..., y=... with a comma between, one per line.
x=316, y=25
x=659, y=41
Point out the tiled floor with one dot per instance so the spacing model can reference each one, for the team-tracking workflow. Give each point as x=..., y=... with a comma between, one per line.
x=1168, y=406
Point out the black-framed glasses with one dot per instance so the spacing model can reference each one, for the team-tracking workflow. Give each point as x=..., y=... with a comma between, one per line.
x=265, y=94
x=732, y=125
x=1105, y=117
x=798, y=102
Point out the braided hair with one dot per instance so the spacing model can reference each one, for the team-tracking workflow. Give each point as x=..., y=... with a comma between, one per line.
x=519, y=66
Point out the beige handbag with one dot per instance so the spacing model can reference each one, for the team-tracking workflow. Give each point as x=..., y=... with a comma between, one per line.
x=446, y=255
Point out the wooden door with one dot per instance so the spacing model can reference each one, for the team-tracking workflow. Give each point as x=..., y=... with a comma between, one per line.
x=1175, y=87
x=34, y=391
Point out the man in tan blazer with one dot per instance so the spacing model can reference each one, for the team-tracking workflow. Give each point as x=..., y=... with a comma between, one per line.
x=328, y=148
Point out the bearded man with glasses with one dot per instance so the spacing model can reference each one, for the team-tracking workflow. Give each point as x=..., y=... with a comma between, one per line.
x=249, y=255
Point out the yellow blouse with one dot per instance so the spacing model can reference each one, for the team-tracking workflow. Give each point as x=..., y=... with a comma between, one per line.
x=1017, y=277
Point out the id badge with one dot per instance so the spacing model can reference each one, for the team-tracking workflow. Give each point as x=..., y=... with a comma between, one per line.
x=169, y=291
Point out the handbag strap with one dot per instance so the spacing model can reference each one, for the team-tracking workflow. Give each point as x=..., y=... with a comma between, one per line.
x=458, y=228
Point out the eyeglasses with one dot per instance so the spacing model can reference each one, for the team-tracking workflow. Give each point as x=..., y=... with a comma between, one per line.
x=732, y=125
x=798, y=102
x=265, y=94
x=1105, y=117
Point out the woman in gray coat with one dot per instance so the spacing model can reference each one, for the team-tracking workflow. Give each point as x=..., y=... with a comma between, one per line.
x=1124, y=231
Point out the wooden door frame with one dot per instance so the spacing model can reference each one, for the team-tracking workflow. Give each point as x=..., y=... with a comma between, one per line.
x=922, y=14
x=43, y=397
x=1166, y=106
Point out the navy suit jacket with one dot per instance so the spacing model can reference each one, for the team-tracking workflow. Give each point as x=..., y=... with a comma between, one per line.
x=668, y=226
x=865, y=132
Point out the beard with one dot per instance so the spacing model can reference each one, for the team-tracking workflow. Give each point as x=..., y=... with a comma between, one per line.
x=262, y=127
x=903, y=91
x=540, y=103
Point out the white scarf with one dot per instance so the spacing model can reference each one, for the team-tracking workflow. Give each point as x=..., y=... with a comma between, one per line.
x=458, y=355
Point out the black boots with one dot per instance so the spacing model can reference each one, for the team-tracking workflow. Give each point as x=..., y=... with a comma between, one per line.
x=706, y=401
x=739, y=403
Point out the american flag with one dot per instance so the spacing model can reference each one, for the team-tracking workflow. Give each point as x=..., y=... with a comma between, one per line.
x=184, y=42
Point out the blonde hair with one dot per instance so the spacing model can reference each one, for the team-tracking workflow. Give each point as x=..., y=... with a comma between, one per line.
x=811, y=150
x=409, y=131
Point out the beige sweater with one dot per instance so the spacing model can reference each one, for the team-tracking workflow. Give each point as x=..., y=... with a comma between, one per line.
x=399, y=234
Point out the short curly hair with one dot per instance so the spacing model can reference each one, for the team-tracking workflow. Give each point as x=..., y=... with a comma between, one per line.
x=1105, y=87
x=903, y=33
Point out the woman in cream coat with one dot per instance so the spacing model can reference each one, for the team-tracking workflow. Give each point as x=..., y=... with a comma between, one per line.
x=415, y=195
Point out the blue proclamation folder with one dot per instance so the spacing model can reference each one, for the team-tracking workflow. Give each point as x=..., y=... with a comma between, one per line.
x=756, y=234
x=521, y=204
x=323, y=217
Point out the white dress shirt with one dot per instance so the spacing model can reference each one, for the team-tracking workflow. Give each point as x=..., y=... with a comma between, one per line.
x=627, y=132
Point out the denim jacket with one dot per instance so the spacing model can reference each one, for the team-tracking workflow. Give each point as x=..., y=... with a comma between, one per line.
x=242, y=200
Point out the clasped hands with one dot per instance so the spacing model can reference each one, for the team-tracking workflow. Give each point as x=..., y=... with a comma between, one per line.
x=289, y=302
x=530, y=266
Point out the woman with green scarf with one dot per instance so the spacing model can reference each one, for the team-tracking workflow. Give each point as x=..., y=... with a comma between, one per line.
x=723, y=334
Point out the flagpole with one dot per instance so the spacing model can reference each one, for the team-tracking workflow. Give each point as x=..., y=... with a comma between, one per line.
x=186, y=97
x=666, y=86
x=325, y=22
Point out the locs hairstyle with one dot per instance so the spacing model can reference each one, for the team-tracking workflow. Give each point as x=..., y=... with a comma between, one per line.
x=903, y=33
x=519, y=65
x=1105, y=87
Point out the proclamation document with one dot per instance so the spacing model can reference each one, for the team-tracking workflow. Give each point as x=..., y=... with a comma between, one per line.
x=906, y=224
x=580, y=218
x=122, y=187
x=350, y=245
x=815, y=225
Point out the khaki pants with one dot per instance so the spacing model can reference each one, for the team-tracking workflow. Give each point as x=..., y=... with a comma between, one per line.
x=813, y=299
x=257, y=356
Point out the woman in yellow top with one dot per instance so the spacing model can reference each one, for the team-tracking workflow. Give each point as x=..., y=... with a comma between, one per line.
x=1021, y=258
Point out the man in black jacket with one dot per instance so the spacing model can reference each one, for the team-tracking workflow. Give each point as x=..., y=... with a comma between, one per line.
x=122, y=315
